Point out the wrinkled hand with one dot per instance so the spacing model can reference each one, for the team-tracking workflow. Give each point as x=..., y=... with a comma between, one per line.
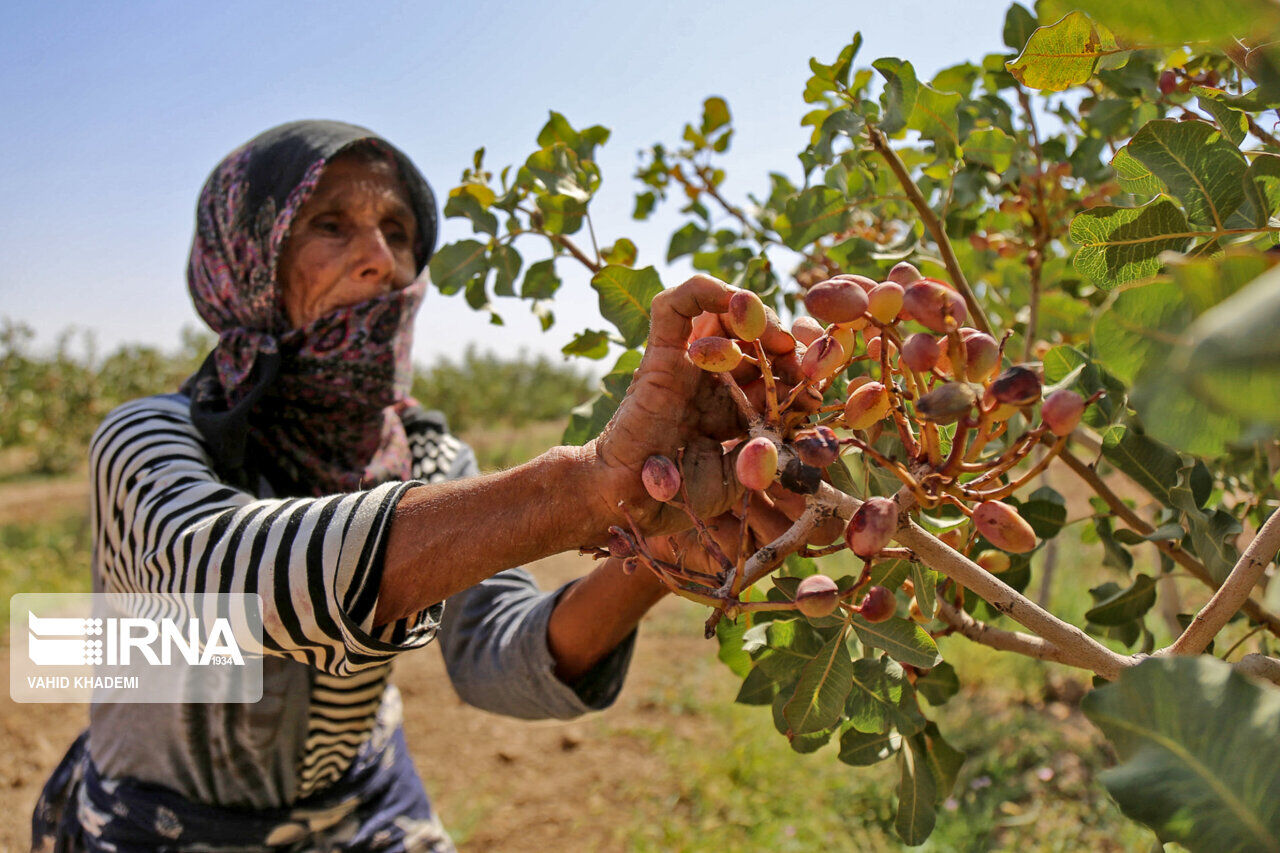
x=670, y=405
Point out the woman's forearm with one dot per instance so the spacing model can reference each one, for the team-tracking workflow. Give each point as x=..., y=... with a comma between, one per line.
x=446, y=537
x=596, y=614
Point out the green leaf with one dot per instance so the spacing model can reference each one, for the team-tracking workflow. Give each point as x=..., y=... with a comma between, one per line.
x=561, y=172
x=1123, y=244
x=1262, y=189
x=862, y=749
x=925, y=581
x=1114, y=554
x=588, y=344
x=1125, y=605
x=881, y=697
x=470, y=201
x=687, y=240
x=1062, y=55
x=505, y=262
x=991, y=147
x=815, y=212
x=819, y=697
x=938, y=684
x=936, y=118
x=801, y=743
x=540, y=281
x=1232, y=350
x=583, y=143
x=1045, y=510
x=731, y=653
x=900, y=90
x=625, y=295
x=758, y=688
x=715, y=114
x=1199, y=751
x=902, y=639
x=945, y=761
x=917, y=796
x=622, y=252
x=1234, y=124
x=1150, y=464
x=645, y=203
x=1176, y=22
x=587, y=420
x=561, y=214
x=1202, y=169
x=1019, y=24
x=1133, y=176
x=456, y=264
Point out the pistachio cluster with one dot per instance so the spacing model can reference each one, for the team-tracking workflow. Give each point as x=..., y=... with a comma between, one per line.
x=870, y=358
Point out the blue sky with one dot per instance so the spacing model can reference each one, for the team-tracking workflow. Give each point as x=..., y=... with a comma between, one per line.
x=116, y=112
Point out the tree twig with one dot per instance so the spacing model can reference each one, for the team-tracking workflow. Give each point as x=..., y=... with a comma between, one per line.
x=881, y=143
x=1260, y=666
x=998, y=638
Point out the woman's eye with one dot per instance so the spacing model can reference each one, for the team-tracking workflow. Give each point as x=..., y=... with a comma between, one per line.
x=327, y=225
x=396, y=234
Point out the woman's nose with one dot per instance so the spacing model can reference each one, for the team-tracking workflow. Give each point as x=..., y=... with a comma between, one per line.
x=375, y=261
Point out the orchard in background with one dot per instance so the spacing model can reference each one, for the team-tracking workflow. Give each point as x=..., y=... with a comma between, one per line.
x=1059, y=258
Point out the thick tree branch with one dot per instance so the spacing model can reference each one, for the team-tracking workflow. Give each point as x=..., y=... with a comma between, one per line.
x=1232, y=594
x=1260, y=666
x=998, y=638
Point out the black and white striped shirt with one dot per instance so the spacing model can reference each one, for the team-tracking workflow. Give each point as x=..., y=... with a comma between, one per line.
x=164, y=522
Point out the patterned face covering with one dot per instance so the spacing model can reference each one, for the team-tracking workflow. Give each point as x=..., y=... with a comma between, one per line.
x=313, y=409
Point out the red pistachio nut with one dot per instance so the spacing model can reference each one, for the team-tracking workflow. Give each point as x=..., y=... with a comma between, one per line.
x=823, y=359
x=1003, y=527
x=878, y=605
x=714, y=354
x=934, y=305
x=806, y=330
x=745, y=317
x=867, y=404
x=817, y=596
x=947, y=403
x=885, y=301
x=1061, y=411
x=757, y=464
x=836, y=301
x=1017, y=386
x=982, y=354
x=872, y=527
x=661, y=478
x=904, y=273
x=920, y=352
x=817, y=446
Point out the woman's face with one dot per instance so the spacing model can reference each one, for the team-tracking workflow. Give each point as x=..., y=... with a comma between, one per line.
x=351, y=241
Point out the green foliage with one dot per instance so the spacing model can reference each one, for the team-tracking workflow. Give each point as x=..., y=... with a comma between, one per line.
x=483, y=389
x=1199, y=747
x=52, y=402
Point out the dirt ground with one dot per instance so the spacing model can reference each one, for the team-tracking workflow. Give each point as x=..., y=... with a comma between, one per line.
x=488, y=775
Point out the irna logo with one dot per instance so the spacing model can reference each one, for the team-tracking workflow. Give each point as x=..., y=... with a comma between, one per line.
x=61, y=641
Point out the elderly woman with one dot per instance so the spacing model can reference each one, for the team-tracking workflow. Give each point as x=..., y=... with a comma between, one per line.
x=293, y=465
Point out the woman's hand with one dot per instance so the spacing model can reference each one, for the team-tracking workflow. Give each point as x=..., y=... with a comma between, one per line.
x=671, y=405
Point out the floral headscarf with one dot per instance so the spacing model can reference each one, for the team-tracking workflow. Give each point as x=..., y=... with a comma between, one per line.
x=313, y=409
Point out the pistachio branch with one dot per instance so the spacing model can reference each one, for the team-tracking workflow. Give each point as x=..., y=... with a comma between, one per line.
x=998, y=638
x=1232, y=594
x=1086, y=472
x=880, y=143
x=1260, y=666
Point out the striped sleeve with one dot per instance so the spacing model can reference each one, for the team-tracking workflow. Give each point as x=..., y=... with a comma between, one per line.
x=165, y=523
